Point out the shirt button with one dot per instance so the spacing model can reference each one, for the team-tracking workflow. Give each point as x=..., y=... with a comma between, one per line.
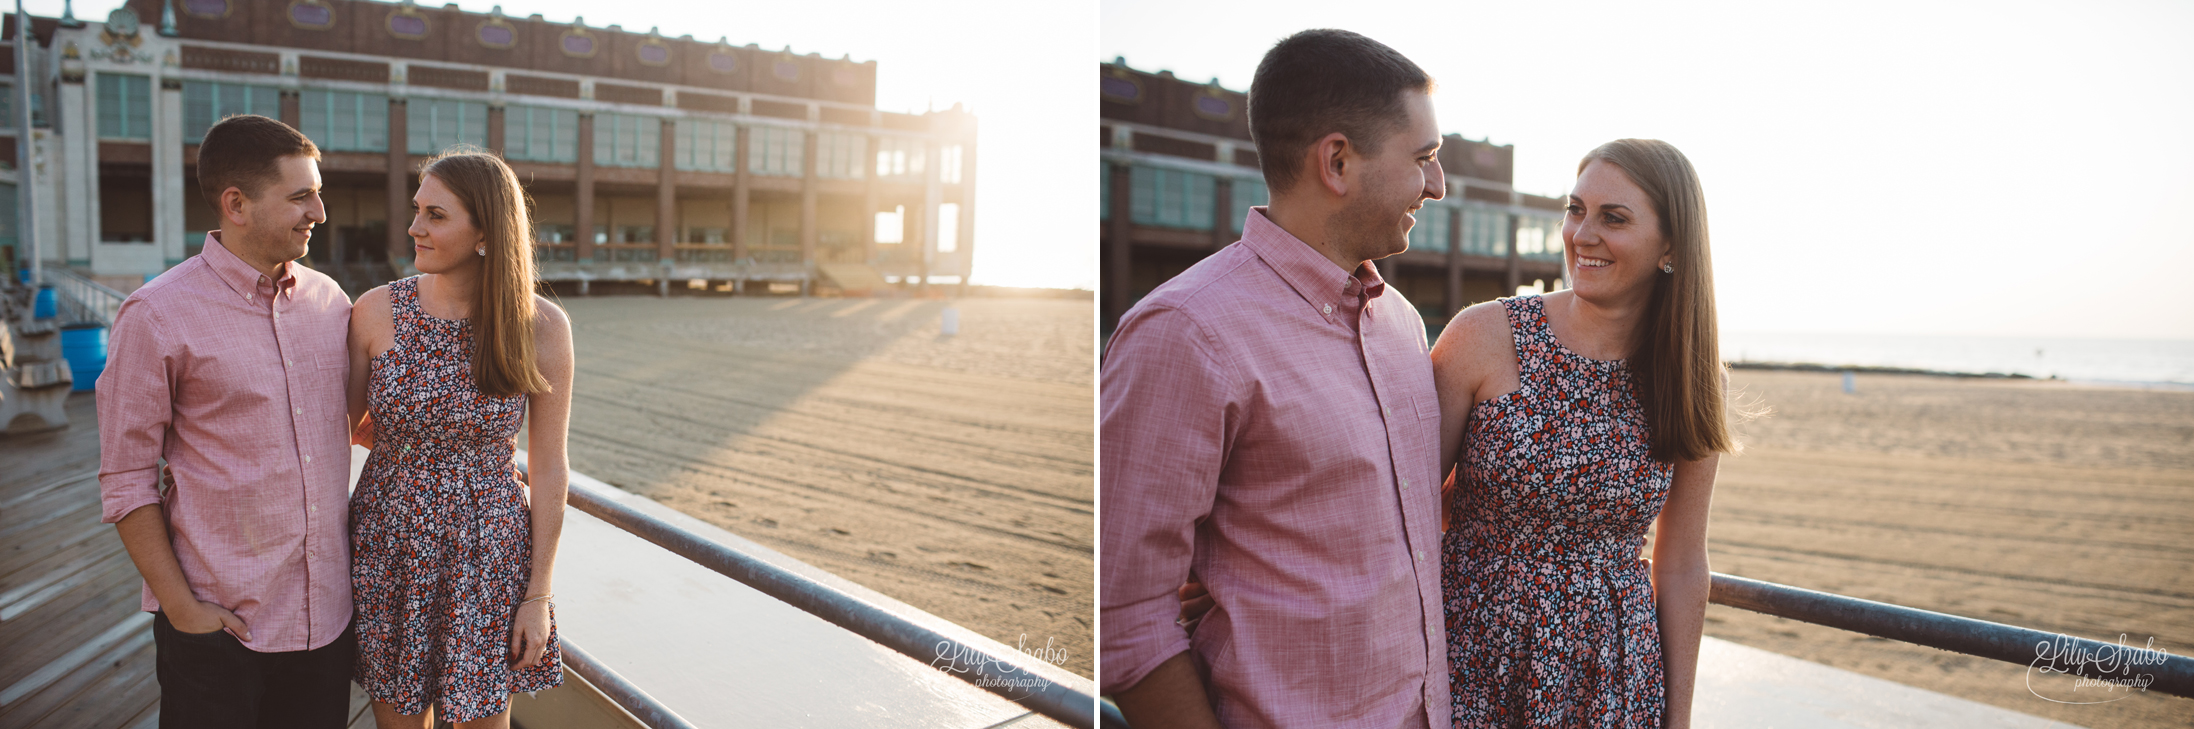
x=1329, y=308
x=299, y=411
x=1420, y=555
x=1405, y=482
x=309, y=554
x=314, y=509
x=289, y=363
x=308, y=459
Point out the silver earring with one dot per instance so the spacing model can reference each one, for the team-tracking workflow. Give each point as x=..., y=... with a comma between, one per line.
x=1665, y=267
x=483, y=250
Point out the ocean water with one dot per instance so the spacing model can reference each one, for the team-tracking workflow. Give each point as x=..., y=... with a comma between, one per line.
x=2149, y=361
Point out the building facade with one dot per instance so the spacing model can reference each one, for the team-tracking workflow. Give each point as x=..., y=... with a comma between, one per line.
x=1180, y=174
x=648, y=157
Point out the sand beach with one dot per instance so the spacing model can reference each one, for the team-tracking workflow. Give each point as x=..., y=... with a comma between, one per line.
x=2044, y=504
x=951, y=472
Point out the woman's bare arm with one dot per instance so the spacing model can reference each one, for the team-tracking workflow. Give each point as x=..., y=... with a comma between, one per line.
x=548, y=473
x=372, y=331
x=1681, y=579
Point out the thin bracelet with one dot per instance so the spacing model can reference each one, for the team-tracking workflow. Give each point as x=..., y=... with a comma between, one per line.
x=538, y=599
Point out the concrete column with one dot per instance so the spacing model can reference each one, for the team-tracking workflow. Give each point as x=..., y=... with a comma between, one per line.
x=80, y=176
x=399, y=186
x=933, y=196
x=168, y=197
x=808, y=233
x=1454, y=301
x=1515, y=264
x=666, y=195
x=741, y=193
x=967, y=211
x=496, y=129
x=583, y=195
x=1222, y=210
x=872, y=200
x=292, y=113
x=1114, y=274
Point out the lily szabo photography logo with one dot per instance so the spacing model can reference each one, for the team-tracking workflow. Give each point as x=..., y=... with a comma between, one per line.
x=994, y=674
x=2072, y=673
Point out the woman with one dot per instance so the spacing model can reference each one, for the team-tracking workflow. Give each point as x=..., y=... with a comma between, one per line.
x=1583, y=417
x=450, y=566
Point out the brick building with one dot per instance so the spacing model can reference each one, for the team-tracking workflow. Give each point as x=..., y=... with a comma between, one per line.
x=1180, y=174
x=650, y=157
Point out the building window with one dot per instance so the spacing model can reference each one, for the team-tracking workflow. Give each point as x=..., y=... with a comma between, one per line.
x=1430, y=232
x=540, y=134
x=433, y=125
x=1172, y=198
x=1538, y=237
x=774, y=151
x=708, y=146
x=625, y=140
x=948, y=165
x=125, y=106
x=898, y=157
x=948, y=227
x=891, y=227
x=206, y=102
x=1248, y=193
x=344, y=121
x=1485, y=232
x=840, y=155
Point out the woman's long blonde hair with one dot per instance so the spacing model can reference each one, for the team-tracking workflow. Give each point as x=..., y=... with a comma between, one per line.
x=1678, y=360
x=503, y=361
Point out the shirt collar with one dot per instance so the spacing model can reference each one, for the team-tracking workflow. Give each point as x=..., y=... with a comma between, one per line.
x=246, y=281
x=1311, y=274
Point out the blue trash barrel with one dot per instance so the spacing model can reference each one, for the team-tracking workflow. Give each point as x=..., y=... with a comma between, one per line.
x=43, y=308
x=85, y=347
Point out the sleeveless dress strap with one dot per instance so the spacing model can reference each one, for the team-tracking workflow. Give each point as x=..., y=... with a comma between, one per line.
x=404, y=310
x=1534, y=343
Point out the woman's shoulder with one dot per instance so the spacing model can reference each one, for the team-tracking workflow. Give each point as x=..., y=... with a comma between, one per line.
x=371, y=305
x=547, y=314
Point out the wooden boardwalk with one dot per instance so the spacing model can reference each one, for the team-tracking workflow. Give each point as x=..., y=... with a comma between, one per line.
x=75, y=646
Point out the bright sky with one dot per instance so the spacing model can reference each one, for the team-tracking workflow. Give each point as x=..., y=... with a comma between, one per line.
x=2004, y=168
x=1033, y=94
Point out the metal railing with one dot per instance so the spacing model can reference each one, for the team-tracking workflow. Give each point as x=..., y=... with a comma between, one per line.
x=2009, y=643
x=2055, y=652
x=78, y=299
x=642, y=705
x=998, y=674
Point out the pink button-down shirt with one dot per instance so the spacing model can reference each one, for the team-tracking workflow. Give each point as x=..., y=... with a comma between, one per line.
x=238, y=381
x=1270, y=421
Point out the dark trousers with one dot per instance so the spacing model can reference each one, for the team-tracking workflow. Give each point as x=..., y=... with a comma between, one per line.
x=212, y=680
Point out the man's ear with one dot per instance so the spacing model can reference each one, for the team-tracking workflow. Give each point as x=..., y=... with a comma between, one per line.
x=233, y=202
x=1332, y=154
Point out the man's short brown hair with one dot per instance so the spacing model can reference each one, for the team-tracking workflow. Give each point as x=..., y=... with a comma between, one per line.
x=243, y=152
x=1318, y=82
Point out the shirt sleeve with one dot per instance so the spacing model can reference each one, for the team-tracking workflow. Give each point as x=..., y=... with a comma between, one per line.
x=136, y=405
x=1165, y=405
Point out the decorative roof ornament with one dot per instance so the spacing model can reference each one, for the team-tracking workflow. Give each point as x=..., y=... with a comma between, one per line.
x=407, y=22
x=652, y=50
x=310, y=14
x=722, y=59
x=167, y=18
x=577, y=41
x=496, y=32
x=68, y=15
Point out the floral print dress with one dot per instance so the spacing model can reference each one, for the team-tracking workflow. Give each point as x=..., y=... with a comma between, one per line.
x=1550, y=616
x=441, y=535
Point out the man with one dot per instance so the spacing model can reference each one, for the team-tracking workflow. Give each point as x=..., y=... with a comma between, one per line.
x=231, y=367
x=1269, y=422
